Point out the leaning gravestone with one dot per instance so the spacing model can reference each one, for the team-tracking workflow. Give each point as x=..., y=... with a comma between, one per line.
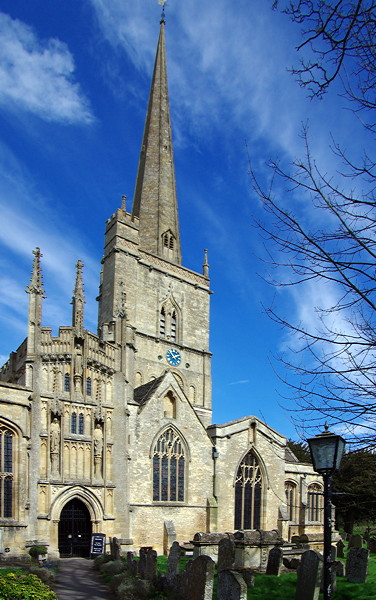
x=226, y=554
x=340, y=549
x=132, y=565
x=371, y=545
x=309, y=576
x=231, y=586
x=173, y=562
x=196, y=582
x=274, y=561
x=357, y=565
x=356, y=541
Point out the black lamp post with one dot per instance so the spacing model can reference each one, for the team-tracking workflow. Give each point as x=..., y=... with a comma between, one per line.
x=326, y=451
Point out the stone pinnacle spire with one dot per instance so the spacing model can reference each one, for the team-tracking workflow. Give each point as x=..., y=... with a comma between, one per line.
x=78, y=301
x=155, y=202
x=36, y=282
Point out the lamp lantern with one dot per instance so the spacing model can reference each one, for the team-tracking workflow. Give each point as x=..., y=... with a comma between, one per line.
x=326, y=451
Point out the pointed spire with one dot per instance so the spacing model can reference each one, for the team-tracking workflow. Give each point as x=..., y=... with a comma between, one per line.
x=36, y=282
x=78, y=301
x=155, y=202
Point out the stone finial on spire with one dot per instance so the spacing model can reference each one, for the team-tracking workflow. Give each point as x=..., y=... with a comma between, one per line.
x=124, y=203
x=78, y=300
x=36, y=282
x=205, y=266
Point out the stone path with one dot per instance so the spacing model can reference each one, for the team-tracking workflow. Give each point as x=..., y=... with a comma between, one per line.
x=77, y=580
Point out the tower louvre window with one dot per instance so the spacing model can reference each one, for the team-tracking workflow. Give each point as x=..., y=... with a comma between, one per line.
x=162, y=322
x=173, y=326
x=168, y=468
x=6, y=473
x=168, y=240
x=248, y=491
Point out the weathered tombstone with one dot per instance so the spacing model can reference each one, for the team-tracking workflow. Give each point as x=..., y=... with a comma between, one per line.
x=196, y=582
x=339, y=568
x=226, y=554
x=173, y=562
x=309, y=576
x=132, y=565
x=372, y=545
x=231, y=586
x=356, y=541
x=115, y=547
x=357, y=565
x=274, y=561
x=148, y=563
x=169, y=535
x=340, y=549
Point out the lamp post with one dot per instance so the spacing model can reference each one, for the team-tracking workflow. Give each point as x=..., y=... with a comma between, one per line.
x=326, y=451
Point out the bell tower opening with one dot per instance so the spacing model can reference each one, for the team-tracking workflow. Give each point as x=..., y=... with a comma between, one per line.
x=74, y=530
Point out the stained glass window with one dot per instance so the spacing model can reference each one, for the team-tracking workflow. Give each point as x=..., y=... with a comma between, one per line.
x=248, y=493
x=168, y=468
x=6, y=473
x=74, y=423
x=81, y=424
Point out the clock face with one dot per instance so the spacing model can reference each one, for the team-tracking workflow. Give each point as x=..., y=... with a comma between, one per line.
x=173, y=357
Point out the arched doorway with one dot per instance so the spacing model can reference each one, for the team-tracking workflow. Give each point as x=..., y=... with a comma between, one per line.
x=74, y=529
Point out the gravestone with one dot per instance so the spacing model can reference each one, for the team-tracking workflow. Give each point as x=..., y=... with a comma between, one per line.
x=274, y=561
x=173, y=562
x=115, y=548
x=339, y=568
x=231, y=586
x=372, y=545
x=132, y=565
x=148, y=563
x=226, y=554
x=340, y=549
x=357, y=565
x=196, y=581
x=356, y=541
x=309, y=576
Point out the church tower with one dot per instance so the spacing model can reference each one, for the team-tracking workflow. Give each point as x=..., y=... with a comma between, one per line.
x=165, y=306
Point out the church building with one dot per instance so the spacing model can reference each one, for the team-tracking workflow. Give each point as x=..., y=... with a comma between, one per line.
x=111, y=432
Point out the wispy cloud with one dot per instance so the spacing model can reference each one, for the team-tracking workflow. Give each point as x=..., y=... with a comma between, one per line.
x=240, y=382
x=37, y=76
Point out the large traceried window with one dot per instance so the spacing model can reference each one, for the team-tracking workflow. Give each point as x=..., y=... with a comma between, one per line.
x=290, y=491
x=248, y=493
x=168, y=468
x=6, y=472
x=315, y=502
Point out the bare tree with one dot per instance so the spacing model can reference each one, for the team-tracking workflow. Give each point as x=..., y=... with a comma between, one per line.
x=334, y=360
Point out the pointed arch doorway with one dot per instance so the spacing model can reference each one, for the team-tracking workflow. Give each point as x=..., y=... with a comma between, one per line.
x=74, y=529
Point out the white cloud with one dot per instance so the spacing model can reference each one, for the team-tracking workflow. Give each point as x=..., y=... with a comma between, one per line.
x=37, y=76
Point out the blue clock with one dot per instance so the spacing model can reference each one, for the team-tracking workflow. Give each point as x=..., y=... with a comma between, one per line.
x=173, y=357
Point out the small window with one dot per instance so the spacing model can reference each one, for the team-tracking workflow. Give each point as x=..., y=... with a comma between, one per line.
x=88, y=386
x=81, y=424
x=173, y=326
x=74, y=423
x=162, y=322
x=290, y=491
x=66, y=382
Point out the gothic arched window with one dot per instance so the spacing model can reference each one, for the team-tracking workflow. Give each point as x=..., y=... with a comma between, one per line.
x=6, y=473
x=315, y=502
x=88, y=386
x=81, y=424
x=168, y=468
x=290, y=491
x=162, y=322
x=74, y=423
x=169, y=321
x=248, y=492
x=66, y=382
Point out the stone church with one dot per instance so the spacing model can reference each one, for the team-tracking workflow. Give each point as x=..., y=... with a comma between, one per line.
x=111, y=432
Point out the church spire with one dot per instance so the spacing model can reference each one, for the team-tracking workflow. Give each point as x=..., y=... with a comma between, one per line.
x=155, y=202
x=78, y=301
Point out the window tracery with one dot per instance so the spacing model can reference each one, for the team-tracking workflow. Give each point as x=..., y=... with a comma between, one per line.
x=248, y=492
x=315, y=502
x=168, y=468
x=169, y=321
x=74, y=422
x=290, y=491
x=66, y=382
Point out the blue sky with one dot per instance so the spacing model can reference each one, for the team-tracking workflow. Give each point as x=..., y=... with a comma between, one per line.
x=74, y=83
